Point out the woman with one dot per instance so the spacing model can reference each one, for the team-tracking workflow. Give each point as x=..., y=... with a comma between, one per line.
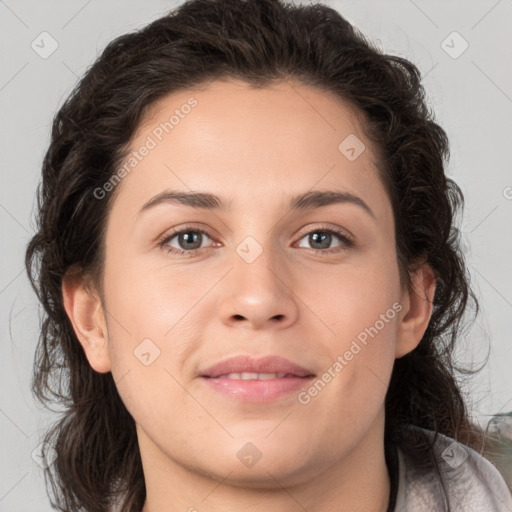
x=251, y=276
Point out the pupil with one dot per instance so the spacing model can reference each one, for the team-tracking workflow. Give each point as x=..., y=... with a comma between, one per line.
x=190, y=237
x=324, y=237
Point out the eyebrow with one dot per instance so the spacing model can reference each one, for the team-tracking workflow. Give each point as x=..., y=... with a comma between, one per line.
x=306, y=201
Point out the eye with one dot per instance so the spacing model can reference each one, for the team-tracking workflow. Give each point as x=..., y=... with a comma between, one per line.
x=321, y=238
x=189, y=240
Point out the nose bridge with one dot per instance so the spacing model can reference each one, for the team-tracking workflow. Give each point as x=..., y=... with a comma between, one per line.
x=257, y=264
x=255, y=290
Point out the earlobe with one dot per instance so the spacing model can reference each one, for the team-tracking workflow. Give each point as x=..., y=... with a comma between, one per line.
x=85, y=313
x=417, y=310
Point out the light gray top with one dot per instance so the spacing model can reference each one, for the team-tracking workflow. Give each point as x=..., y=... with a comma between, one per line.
x=472, y=483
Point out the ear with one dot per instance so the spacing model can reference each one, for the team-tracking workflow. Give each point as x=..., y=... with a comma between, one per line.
x=84, y=309
x=417, y=302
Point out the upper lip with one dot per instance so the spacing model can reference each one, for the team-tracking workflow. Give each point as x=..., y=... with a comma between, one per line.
x=249, y=364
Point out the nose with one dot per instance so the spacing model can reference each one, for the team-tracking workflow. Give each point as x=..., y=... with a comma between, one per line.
x=258, y=294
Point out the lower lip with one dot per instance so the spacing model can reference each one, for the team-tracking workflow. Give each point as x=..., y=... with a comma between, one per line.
x=257, y=390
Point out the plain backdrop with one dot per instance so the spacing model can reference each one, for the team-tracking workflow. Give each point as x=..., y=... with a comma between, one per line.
x=470, y=90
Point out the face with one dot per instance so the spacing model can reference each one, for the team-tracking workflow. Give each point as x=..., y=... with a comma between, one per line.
x=304, y=294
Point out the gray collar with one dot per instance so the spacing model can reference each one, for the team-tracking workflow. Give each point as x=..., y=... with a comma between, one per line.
x=454, y=478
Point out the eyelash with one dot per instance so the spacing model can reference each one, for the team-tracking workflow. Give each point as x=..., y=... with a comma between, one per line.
x=344, y=237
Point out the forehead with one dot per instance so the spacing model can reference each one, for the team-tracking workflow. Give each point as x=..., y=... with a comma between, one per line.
x=239, y=141
x=289, y=110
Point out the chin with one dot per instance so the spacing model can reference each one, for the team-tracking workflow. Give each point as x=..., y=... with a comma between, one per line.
x=264, y=477
x=265, y=468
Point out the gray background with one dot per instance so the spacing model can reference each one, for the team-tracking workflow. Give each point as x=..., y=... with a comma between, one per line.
x=471, y=95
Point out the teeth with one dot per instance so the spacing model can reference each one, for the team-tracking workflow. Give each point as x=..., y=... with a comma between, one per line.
x=254, y=376
x=248, y=376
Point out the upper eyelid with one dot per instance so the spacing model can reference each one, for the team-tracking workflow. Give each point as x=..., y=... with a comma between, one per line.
x=184, y=229
x=332, y=229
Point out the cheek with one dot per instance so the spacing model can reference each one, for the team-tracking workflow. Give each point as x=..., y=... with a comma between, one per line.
x=151, y=302
x=361, y=354
x=361, y=308
x=155, y=320
x=351, y=298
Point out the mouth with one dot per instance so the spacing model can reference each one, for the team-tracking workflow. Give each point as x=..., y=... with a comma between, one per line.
x=247, y=379
x=255, y=376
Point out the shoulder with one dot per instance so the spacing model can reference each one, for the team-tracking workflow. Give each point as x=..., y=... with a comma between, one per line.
x=449, y=476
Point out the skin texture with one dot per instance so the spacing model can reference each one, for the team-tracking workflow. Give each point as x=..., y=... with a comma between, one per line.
x=255, y=148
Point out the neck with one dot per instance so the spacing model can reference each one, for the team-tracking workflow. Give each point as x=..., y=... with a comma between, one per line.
x=358, y=482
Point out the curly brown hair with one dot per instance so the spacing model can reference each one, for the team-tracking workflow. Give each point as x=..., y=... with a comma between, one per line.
x=260, y=42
